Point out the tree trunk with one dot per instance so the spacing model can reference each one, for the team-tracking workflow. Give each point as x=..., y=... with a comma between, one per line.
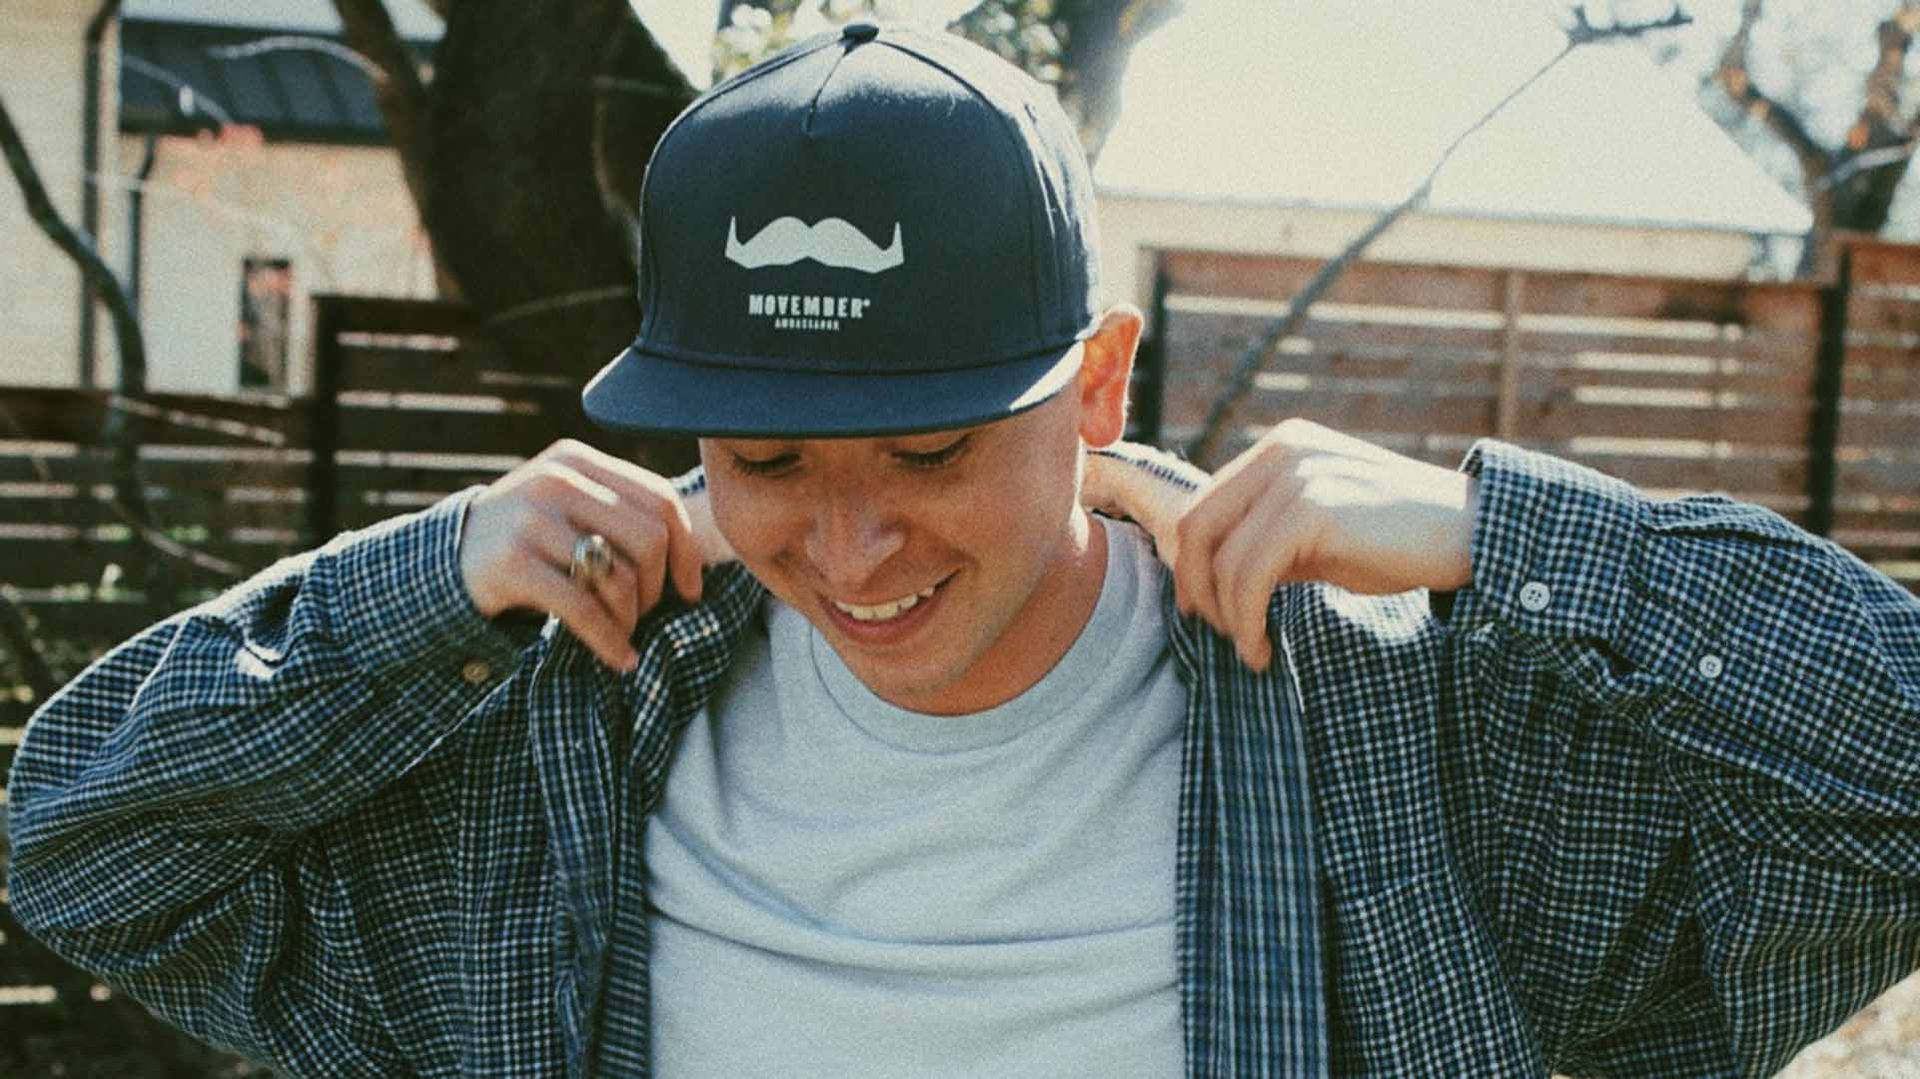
x=538, y=110
x=1100, y=36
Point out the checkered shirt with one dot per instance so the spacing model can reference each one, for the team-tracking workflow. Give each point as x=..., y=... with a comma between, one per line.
x=1642, y=801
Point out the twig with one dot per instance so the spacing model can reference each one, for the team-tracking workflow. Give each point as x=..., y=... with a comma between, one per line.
x=401, y=94
x=264, y=436
x=639, y=87
x=577, y=298
x=297, y=43
x=78, y=246
x=144, y=531
x=191, y=98
x=105, y=284
x=18, y=638
x=1583, y=32
x=1879, y=158
x=1240, y=380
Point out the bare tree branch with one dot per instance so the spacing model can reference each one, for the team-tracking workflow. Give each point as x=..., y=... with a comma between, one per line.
x=1257, y=353
x=1878, y=158
x=1734, y=77
x=629, y=110
x=1881, y=108
x=1100, y=36
x=1863, y=198
x=106, y=285
x=78, y=247
x=1816, y=161
x=130, y=498
x=299, y=43
x=1852, y=185
x=1583, y=32
x=135, y=520
x=17, y=637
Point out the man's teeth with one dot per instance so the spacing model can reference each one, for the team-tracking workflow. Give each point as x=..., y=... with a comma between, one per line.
x=882, y=611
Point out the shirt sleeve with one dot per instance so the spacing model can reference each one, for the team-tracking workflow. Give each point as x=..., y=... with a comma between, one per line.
x=163, y=802
x=1774, y=681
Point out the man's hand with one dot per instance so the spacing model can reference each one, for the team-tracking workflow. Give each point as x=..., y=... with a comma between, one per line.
x=519, y=533
x=1304, y=503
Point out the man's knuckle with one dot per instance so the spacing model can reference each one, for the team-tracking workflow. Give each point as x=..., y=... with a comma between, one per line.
x=550, y=480
x=521, y=558
x=521, y=520
x=1189, y=530
x=1295, y=429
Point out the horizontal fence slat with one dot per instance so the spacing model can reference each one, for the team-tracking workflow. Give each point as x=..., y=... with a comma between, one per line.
x=175, y=509
x=1789, y=307
x=1877, y=316
x=1353, y=363
x=202, y=474
x=433, y=431
x=1551, y=419
x=1278, y=279
x=1784, y=349
x=383, y=315
x=1884, y=362
x=463, y=369
x=1538, y=375
x=44, y=563
x=97, y=622
x=1234, y=332
x=1876, y=261
x=58, y=414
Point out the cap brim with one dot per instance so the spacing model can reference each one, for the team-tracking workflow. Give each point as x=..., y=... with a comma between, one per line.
x=649, y=393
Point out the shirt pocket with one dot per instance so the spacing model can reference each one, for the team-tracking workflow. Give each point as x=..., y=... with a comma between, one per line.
x=1419, y=989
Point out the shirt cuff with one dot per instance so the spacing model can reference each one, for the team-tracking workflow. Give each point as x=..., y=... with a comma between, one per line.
x=1156, y=463
x=400, y=603
x=1553, y=545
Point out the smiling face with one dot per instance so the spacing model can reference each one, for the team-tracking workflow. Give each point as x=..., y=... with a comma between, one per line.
x=949, y=570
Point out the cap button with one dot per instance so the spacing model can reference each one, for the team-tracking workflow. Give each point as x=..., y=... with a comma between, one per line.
x=860, y=30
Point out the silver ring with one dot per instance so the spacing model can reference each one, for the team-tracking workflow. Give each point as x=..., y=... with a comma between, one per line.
x=592, y=560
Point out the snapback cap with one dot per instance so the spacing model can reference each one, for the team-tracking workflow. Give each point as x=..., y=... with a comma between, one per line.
x=878, y=231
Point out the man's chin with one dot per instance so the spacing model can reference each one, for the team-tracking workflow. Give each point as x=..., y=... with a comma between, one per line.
x=900, y=681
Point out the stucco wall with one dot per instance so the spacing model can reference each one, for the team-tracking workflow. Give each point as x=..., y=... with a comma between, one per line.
x=42, y=61
x=341, y=216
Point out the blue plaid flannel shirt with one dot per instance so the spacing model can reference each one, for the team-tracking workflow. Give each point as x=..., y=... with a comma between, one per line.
x=1644, y=800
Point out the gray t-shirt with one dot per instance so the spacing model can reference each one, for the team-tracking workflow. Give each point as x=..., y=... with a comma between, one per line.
x=841, y=887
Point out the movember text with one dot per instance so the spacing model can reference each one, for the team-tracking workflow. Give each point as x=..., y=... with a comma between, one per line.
x=791, y=312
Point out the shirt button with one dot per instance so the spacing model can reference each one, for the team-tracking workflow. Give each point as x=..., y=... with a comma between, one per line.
x=1710, y=667
x=476, y=671
x=1535, y=596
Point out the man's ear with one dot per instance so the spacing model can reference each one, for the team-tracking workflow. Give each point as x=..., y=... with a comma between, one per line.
x=1105, y=368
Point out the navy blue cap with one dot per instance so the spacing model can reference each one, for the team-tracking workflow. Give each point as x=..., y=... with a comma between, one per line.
x=877, y=231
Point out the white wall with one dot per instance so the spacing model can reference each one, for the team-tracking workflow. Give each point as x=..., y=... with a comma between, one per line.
x=340, y=215
x=1132, y=228
x=42, y=66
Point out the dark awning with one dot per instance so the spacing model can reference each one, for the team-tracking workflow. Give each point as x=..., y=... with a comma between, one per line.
x=293, y=86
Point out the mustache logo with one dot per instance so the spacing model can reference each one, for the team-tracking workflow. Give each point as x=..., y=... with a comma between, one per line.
x=831, y=242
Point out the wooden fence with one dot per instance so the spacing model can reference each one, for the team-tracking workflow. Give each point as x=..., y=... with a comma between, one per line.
x=411, y=405
x=1801, y=397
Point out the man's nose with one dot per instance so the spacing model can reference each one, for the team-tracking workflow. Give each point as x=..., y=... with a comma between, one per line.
x=850, y=539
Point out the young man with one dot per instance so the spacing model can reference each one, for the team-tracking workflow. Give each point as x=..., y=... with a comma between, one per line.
x=934, y=773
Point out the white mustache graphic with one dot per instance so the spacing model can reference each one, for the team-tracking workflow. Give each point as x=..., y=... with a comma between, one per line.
x=832, y=242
